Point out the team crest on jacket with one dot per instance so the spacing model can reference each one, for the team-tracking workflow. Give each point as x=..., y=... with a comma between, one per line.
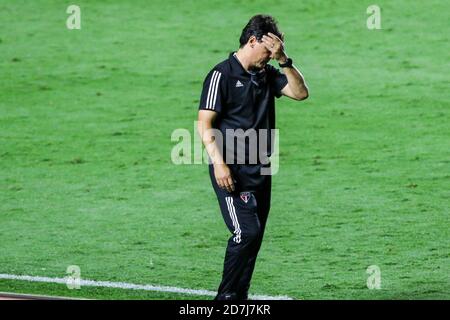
x=245, y=196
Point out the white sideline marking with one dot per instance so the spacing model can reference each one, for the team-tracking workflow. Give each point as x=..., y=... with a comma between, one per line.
x=34, y=296
x=132, y=286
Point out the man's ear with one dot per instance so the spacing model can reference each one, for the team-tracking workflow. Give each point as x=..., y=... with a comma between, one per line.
x=252, y=41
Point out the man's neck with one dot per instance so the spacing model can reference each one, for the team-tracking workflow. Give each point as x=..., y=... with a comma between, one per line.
x=241, y=56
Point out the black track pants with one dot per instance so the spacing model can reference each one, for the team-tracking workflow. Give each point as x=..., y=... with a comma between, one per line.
x=245, y=213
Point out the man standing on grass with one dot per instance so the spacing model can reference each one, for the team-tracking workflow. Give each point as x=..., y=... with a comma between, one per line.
x=238, y=101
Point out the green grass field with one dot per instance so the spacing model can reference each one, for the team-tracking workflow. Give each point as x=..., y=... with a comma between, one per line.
x=86, y=176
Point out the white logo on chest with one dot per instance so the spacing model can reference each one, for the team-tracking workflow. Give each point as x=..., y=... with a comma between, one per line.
x=239, y=84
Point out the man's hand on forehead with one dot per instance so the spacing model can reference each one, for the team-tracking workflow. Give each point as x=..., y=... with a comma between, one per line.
x=275, y=45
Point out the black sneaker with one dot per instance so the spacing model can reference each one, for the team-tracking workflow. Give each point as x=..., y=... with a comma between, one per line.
x=243, y=296
x=226, y=296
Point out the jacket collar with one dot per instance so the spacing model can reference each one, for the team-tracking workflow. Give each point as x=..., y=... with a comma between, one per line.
x=257, y=78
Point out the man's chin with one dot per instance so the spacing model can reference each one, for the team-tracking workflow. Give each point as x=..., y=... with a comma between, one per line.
x=259, y=67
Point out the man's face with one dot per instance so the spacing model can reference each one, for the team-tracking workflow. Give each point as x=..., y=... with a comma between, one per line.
x=260, y=54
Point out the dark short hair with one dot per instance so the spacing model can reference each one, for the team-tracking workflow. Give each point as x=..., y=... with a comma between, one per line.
x=258, y=26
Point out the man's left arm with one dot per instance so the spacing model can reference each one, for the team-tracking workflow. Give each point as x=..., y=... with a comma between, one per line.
x=296, y=87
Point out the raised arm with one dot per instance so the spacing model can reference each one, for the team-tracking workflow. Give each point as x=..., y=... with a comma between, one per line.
x=296, y=88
